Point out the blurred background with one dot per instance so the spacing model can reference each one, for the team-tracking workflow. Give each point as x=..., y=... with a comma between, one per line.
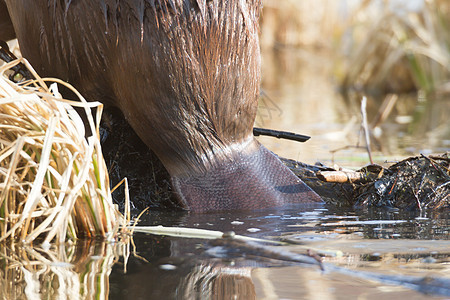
x=320, y=57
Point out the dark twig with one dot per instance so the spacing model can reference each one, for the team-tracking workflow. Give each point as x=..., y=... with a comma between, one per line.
x=439, y=157
x=7, y=56
x=281, y=134
x=436, y=166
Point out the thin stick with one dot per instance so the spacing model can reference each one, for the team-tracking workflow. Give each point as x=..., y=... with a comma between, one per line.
x=281, y=134
x=194, y=233
x=366, y=127
x=343, y=176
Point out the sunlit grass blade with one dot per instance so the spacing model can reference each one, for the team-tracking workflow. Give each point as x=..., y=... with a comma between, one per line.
x=53, y=179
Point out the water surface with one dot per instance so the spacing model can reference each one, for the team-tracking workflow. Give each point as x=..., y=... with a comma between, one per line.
x=381, y=242
x=302, y=94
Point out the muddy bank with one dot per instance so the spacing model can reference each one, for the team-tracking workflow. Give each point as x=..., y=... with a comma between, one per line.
x=415, y=183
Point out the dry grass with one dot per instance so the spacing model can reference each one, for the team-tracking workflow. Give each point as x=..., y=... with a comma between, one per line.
x=53, y=181
x=396, y=50
x=294, y=23
x=387, y=46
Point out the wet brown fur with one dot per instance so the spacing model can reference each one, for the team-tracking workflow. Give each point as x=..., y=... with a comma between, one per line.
x=185, y=73
x=6, y=27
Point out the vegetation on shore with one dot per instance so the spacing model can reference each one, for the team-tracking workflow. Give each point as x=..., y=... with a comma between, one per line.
x=53, y=180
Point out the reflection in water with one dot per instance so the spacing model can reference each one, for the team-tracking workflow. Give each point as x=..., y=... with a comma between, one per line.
x=79, y=270
x=207, y=281
x=301, y=95
x=385, y=243
x=174, y=268
x=181, y=268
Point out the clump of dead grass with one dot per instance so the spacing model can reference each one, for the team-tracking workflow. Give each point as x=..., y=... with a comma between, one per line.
x=399, y=49
x=53, y=180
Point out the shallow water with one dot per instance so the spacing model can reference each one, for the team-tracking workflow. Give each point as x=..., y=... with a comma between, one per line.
x=301, y=94
x=365, y=254
x=382, y=243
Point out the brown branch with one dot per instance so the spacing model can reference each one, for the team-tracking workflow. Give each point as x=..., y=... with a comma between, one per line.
x=344, y=177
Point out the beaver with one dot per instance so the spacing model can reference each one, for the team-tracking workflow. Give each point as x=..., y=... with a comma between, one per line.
x=186, y=75
x=6, y=27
